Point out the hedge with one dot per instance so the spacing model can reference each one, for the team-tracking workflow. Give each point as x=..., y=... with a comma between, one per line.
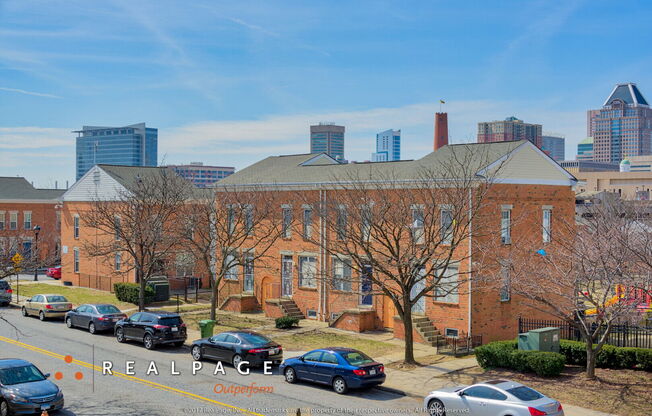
x=129, y=292
x=286, y=322
x=608, y=357
x=506, y=355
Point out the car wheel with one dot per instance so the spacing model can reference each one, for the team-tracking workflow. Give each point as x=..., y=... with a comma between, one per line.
x=291, y=375
x=23, y=311
x=69, y=322
x=237, y=359
x=4, y=408
x=91, y=328
x=41, y=316
x=436, y=408
x=339, y=385
x=196, y=353
x=148, y=341
x=120, y=335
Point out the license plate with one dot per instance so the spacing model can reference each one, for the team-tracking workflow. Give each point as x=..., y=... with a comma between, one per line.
x=175, y=329
x=45, y=407
x=115, y=319
x=372, y=372
x=61, y=307
x=273, y=351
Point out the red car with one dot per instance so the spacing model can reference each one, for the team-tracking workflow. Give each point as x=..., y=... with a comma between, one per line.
x=54, y=272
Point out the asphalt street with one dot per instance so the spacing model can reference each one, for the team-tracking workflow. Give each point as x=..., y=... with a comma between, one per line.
x=47, y=343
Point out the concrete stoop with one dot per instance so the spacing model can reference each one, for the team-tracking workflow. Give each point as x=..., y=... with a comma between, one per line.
x=290, y=308
x=426, y=329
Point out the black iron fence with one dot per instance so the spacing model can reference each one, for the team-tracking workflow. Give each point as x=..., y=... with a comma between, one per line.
x=461, y=345
x=621, y=335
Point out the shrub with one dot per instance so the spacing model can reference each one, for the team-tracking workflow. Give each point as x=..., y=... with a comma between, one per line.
x=520, y=360
x=607, y=357
x=286, y=322
x=546, y=364
x=574, y=351
x=644, y=358
x=625, y=357
x=495, y=354
x=129, y=292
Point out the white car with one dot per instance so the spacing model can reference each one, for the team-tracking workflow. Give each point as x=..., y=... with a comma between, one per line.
x=491, y=398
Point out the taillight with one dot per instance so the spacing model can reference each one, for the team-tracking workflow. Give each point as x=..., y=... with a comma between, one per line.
x=101, y=318
x=381, y=368
x=183, y=325
x=10, y=291
x=70, y=306
x=161, y=327
x=536, y=412
x=48, y=306
x=256, y=350
x=359, y=372
x=559, y=409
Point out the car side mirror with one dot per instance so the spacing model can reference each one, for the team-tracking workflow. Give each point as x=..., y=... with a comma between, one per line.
x=46, y=375
x=301, y=358
x=461, y=393
x=211, y=340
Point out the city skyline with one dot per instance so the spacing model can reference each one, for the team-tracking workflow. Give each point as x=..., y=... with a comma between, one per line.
x=227, y=84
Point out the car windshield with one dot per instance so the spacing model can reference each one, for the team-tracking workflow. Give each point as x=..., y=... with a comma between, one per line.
x=4, y=285
x=254, y=339
x=107, y=309
x=525, y=393
x=170, y=321
x=56, y=299
x=17, y=375
x=357, y=358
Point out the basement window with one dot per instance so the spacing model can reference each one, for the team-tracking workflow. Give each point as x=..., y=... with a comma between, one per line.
x=451, y=333
x=311, y=314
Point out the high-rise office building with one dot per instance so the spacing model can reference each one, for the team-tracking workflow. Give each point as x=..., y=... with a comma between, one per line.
x=622, y=127
x=327, y=138
x=388, y=146
x=134, y=145
x=585, y=150
x=509, y=130
x=554, y=145
x=201, y=175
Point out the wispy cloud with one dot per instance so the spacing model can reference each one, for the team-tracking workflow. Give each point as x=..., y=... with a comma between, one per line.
x=37, y=94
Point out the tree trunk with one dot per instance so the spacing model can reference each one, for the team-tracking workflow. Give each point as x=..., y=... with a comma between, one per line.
x=141, y=292
x=214, y=294
x=590, y=361
x=407, y=330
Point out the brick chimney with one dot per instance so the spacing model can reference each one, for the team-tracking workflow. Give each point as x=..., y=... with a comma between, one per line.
x=441, y=130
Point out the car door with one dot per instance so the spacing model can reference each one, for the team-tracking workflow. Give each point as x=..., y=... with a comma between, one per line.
x=77, y=316
x=323, y=370
x=211, y=348
x=227, y=347
x=128, y=326
x=306, y=367
x=86, y=317
x=478, y=400
x=146, y=320
x=38, y=303
x=28, y=304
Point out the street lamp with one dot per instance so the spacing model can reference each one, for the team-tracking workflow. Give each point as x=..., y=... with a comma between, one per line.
x=37, y=229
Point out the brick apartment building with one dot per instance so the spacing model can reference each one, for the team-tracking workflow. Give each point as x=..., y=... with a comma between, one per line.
x=530, y=184
x=22, y=208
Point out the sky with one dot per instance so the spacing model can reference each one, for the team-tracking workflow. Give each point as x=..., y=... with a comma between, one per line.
x=231, y=82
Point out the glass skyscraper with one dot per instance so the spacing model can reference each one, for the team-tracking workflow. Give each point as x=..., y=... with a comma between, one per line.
x=554, y=145
x=327, y=138
x=388, y=146
x=134, y=145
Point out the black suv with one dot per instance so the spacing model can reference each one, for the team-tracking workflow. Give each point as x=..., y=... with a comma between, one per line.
x=5, y=292
x=152, y=328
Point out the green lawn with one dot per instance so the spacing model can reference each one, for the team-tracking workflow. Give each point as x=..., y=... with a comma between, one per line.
x=225, y=321
x=76, y=295
x=318, y=339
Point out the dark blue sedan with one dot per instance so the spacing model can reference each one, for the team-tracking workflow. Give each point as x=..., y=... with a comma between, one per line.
x=94, y=317
x=341, y=368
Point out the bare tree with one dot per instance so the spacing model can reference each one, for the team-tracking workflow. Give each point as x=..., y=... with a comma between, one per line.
x=139, y=225
x=408, y=237
x=585, y=275
x=227, y=228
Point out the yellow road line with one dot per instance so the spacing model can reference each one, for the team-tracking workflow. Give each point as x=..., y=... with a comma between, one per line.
x=128, y=377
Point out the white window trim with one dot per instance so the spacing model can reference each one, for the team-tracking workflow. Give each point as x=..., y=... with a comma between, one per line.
x=75, y=259
x=25, y=213
x=506, y=237
x=546, y=229
x=75, y=226
x=313, y=279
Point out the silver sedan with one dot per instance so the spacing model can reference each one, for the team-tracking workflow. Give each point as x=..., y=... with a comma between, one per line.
x=491, y=398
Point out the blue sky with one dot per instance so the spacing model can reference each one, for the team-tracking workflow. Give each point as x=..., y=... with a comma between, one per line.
x=231, y=82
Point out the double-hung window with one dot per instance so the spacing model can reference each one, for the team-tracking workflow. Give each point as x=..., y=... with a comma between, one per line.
x=307, y=271
x=75, y=226
x=446, y=217
x=75, y=252
x=249, y=219
x=506, y=286
x=13, y=220
x=307, y=222
x=27, y=220
x=118, y=261
x=342, y=221
x=547, y=224
x=506, y=224
x=231, y=265
x=417, y=223
x=341, y=274
x=287, y=221
x=447, y=290
x=365, y=222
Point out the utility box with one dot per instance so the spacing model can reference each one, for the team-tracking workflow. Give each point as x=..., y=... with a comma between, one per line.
x=544, y=339
x=161, y=286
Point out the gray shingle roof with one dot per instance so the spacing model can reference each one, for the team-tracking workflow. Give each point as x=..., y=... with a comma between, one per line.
x=293, y=169
x=19, y=188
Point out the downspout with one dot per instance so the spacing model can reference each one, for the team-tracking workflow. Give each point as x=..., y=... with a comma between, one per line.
x=321, y=262
x=324, y=240
x=470, y=257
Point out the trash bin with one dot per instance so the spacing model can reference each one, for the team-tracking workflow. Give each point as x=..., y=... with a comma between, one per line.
x=206, y=327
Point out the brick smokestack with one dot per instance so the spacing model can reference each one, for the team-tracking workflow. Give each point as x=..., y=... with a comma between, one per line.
x=441, y=130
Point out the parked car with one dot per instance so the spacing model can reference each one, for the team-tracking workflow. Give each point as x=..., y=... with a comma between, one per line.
x=495, y=397
x=54, y=272
x=25, y=390
x=152, y=329
x=5, y=293
x=94, y=317
x=46, y=306
x=341, y=368
x=238, y=346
